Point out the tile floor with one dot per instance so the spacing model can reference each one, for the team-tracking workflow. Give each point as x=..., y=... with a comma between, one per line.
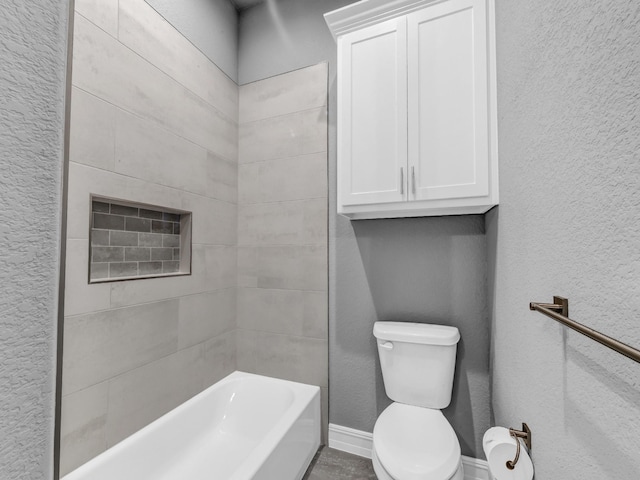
x=330, y=464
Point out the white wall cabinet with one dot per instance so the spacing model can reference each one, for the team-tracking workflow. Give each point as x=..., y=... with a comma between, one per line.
x=416, y=108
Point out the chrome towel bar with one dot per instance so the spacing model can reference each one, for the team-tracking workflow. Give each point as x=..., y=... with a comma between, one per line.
x=559, y=311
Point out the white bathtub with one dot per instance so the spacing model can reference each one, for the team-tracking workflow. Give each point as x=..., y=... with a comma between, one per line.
x=243, y=427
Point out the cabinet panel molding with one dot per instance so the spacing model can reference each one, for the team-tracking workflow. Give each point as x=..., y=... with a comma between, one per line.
x=373, y=114
x=448, y=121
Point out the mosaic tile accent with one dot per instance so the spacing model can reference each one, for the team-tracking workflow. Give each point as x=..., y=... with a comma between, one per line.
x=129, y=241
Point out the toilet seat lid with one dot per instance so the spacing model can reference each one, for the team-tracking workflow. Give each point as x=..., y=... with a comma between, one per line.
x=416, y=443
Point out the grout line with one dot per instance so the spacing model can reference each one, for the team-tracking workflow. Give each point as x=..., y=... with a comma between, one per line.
x=297, y=112
x=157, y=184
x=80, y=14
x=280, y=201
x=322, y=62
x=280, y=245
x=164, y=357
x=282, y=289
x=275, y=159
x=279, y=115
x=193, y=44
x=280, y=334
x=166, y=299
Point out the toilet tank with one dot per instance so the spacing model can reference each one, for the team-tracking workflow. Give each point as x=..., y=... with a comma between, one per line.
x=418, y=361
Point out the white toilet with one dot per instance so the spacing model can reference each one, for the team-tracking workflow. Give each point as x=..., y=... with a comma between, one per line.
x=412, y=440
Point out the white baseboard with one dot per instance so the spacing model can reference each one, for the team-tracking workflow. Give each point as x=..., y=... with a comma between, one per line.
x=360, y=443
x=475, y=469
x=351, y=441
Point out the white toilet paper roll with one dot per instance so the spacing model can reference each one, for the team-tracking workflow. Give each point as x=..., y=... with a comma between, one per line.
x=500, y=447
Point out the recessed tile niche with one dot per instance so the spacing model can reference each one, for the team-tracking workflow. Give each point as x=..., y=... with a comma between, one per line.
x=131, y=241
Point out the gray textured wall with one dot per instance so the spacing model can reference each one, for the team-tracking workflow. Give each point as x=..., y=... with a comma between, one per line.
x=33, y=49
x=430, y=269
x=569, y=109
x=211, y=25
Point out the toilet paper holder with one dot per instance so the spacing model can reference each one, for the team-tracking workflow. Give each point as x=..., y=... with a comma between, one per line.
x=524, y=434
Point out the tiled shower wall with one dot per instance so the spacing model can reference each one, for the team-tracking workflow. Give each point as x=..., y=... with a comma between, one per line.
x=282, y=228
x=154, y=122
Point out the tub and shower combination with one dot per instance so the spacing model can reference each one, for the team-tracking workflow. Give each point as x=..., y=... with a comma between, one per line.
x=245, y=427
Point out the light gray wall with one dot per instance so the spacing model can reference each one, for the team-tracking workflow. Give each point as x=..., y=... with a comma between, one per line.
x=283, y=35
x=282, y=228
x=568, y=76
x=33, y=50
x=153, y=121
x=429, y=269
x=211, y=25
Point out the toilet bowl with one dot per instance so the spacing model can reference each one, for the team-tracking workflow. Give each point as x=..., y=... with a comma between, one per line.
x=412, y=439
x=415, y=443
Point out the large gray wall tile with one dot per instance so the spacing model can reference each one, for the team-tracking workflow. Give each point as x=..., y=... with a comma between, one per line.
x=245, y=350
x=294, y=178
x=221, y=267
x=81, y=297
x=83, y=433
x=214, y=221
x=285, y=136
x=253, y=228
x=283, y=223
x=291, y=92
x=206, y=315
x=291, y=312
x=298, y=359
x=110, y=70
x=99, y=346
x=103, y=13
x=283, y=266
x=153, y=38
x=93, y=130
x=220, y=357
x=213, y=268
x=223, y=179
x=147, y=151
x=140, y=396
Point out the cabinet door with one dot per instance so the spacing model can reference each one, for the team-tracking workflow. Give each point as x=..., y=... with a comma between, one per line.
x=448, y=101
x=372, y=116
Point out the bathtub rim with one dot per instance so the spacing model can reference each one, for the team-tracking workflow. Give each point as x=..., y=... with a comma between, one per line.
x=304, y=395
